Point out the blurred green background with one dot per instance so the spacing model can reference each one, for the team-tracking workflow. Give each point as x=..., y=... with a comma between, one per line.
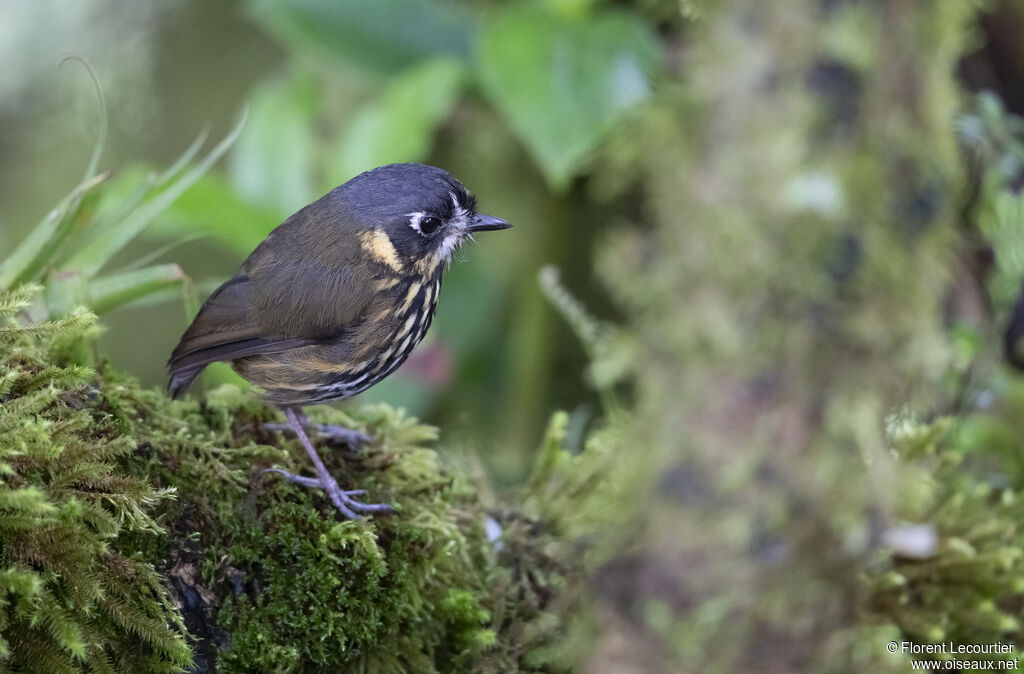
x=333, y=89
x=799, y=221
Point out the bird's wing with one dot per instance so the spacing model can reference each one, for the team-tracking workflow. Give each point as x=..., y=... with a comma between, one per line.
x=270, y=306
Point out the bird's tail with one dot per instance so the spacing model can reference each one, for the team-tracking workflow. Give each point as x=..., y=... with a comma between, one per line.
x=182, y=379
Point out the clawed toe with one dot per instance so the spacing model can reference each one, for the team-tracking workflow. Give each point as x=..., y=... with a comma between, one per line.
x=334, y=434
x=341, y=499
x=339, y=435
x=311, y=482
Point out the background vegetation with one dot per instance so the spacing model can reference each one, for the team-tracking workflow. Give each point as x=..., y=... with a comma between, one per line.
x=765, y=256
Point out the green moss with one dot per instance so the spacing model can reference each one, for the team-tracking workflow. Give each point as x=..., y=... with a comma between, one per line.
x=143, y=534
x=789, y=286
x=967, y=589
x=70, y=600
x=364, y=587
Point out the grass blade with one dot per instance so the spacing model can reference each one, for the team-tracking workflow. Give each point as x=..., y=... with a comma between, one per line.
x=28, y=259
x=38, y=247
x=115, y=290
x=110, y=239
x=160, y=252
x=101, y=135
x=147, y=185
x=186, y=156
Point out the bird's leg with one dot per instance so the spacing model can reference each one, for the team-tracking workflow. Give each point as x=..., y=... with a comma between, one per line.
x=342, y=500
x=333, y=433
x=336, y=434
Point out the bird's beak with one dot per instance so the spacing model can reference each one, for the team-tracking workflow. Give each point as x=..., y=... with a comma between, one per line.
x=487, y=223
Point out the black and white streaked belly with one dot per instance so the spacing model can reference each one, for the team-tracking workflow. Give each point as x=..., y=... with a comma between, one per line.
x=411, y=325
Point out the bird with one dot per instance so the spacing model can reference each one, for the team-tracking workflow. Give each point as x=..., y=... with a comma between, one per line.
x=334, y=299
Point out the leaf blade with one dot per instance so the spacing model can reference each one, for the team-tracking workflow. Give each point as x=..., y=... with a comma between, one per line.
x=271, y=164
x=563, y=81
x=92, y=256
x=399, y=127
x=379, y=35
x=116, y=290
x=28, y=258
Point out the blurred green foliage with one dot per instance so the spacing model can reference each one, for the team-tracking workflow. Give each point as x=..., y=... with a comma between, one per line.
x=806, y=443
x=384, y=37
x=818, y=482
x=70, y=250
x=969, y=471
x=458, y=85
x=562, y=79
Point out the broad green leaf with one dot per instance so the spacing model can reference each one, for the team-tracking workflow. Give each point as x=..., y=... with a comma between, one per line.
x=272, y=163
x=212, y=208
x=562, y=81
x=400, y=126
x=381, y=35
x=115, y=290
x=110, y=237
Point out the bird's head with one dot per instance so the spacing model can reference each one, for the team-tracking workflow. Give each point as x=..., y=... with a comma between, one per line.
x=423, y=212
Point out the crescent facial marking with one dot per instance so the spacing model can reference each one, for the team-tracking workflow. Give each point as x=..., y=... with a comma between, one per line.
x=377, y=244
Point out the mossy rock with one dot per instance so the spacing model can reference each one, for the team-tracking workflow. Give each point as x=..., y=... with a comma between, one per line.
x=143, y=534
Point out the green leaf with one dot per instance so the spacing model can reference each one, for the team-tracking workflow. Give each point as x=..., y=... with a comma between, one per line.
x=38, y=248
x=380, y=35
x=28, y=258
x=213, y=208
x=400, y=126
x=562, y=81
x=115, y=290
x=47, y=253
x=132, y=185
x=172, y=292
x=271, y=165
x=109, y=238
x=66, y=291
x=101, y=136
x=124, y=193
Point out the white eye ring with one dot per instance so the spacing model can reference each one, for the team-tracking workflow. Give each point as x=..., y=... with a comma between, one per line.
x=414, y=220
x=419, y=218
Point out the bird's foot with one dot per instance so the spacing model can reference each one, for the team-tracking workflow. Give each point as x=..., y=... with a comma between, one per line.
x=334, y=434
x=341, y=499
x=339, y=435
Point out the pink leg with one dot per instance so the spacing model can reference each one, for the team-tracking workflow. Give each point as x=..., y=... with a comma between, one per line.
x=342, y=500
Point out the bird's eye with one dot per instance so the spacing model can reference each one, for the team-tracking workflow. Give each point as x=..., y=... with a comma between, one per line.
x=429, y=225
